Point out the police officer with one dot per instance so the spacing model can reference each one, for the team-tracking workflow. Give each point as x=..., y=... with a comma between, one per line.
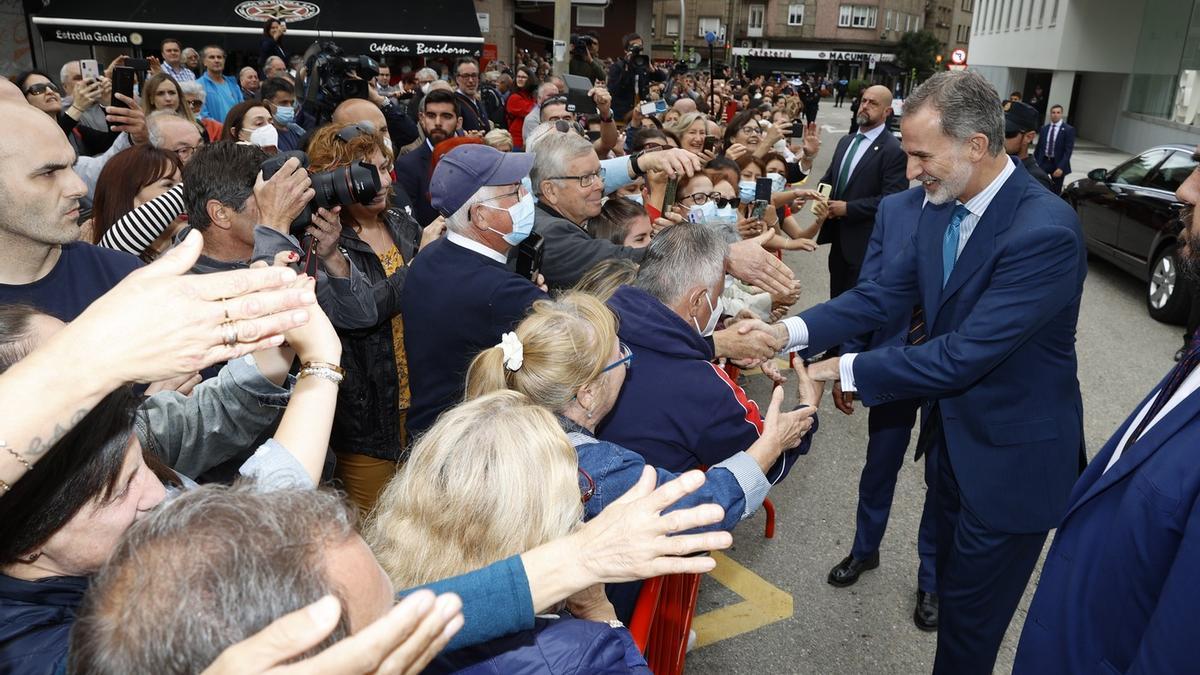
x=1020, y=130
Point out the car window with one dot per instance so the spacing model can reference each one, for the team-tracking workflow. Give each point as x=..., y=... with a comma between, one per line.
x=1172, y=172
x=1135, y=170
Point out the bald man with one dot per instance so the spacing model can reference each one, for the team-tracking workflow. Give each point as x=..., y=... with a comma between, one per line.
x=9, y=92
x=866, y=167
x=381, y=111
x=357, y=110
x=685, y=105
x=41, y=262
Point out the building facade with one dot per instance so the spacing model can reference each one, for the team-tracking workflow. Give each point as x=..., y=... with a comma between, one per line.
x=1127, y=72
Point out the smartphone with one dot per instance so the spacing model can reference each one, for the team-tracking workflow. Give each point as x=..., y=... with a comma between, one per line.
x=648, y=108
x=89, y=69
x=529, y=256
x=710, y=143
x=669, y=196
x=122, y=83
x=593, y=136
x=762, y=197
x=797, y=128
x=825, y=189
x=660, y=106
x=138, y=64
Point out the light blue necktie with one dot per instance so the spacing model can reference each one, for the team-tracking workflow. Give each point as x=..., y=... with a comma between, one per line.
x=950, y=242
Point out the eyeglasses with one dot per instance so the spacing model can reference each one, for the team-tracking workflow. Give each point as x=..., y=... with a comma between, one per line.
x=586, y=493
x=41, y=88
x=195, y=104
x=586, y=180
x=185, y=151
x=752, y=129
x=700, y=198
x=653, y=147
x=625, y=360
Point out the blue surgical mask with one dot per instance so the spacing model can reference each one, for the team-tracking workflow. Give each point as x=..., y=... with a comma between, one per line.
x=778, y=182
x=702, y=213
x=285, y=114
x=636, y=197
x=727, y=215
x=521, y=214
x=746, y=191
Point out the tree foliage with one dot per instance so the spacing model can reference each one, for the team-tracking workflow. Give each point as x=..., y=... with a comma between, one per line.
x=918, y=50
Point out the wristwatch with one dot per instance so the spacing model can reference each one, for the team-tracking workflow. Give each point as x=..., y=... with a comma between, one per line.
x=606, y=121
x=633, y=164
x=615, y=623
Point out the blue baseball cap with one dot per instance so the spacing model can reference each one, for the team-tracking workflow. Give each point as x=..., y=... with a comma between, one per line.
x=467, y=168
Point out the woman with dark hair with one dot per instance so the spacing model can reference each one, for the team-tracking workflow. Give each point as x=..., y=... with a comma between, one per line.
x=42, y=93
x=161, y=92
x=521, y=102
x=623, y=222
x=246, y=118
x=59, y=524
x=131, y=178
x=272, y=41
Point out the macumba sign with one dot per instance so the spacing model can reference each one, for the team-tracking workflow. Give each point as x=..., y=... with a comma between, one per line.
x=810, y=54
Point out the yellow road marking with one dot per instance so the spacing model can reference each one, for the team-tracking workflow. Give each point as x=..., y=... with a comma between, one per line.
x=762, y=604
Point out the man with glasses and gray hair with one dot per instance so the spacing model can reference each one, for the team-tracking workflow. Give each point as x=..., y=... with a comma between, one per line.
x=459, y=296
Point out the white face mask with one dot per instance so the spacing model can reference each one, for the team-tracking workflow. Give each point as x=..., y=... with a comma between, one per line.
x=712, y=318
x=266, y=136
x=425, y=87
x=387, y=142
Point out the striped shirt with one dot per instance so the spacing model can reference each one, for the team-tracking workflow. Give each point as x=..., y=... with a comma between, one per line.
x=136, y=230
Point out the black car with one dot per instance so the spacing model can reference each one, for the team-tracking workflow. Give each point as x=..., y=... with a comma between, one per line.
x=1130, y=217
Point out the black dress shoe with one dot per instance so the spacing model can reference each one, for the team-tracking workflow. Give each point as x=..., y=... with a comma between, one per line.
x=846, y=572
x=926, y=613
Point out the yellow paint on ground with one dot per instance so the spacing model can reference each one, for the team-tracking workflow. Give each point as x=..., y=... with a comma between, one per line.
x=762, y=604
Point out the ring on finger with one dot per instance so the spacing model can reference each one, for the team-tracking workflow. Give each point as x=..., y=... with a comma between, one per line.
x=229, y=333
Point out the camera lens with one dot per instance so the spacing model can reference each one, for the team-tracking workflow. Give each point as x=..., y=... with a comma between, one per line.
x=354, y=184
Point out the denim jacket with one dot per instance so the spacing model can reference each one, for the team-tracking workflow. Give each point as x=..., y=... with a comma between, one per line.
x=222, y=418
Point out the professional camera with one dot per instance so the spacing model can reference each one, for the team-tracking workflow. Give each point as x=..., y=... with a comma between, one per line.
x=637, y=60
x=334, y=77
x=343, y=186
x=580, y=44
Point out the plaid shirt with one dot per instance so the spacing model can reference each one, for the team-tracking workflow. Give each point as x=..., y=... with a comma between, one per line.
x=183, y=74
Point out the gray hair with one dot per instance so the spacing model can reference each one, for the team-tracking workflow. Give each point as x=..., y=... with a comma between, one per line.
x=546, y=90
x=552, y=152
x=459, y=222
x=966, y=103
x=154, y=125
x=193, y=88
x=205, y=571
x=680, y=258
x=62, y=72
x=427, y=72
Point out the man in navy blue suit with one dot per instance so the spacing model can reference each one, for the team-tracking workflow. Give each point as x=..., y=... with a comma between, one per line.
x=889, y=424
x=865, y=167
x=1120, y=588
x=440, y=119
x=1056, y=144
x=996, y=266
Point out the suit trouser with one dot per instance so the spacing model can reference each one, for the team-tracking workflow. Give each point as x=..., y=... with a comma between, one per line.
x=890, y=428
x=981, y=575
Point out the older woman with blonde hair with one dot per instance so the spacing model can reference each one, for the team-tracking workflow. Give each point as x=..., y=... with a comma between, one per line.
x=565, y=356
x=499, y=139
x=690, y=130
x=448, y=512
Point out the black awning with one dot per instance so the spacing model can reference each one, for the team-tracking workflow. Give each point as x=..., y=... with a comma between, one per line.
x=407, y=28
x=764, y=66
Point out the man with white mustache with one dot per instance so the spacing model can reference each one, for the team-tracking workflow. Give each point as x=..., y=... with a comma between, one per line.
x=995, y=273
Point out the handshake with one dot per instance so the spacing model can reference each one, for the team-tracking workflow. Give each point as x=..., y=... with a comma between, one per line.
x=748, y=342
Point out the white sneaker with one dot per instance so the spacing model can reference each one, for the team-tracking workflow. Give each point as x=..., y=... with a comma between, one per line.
x=691, y=641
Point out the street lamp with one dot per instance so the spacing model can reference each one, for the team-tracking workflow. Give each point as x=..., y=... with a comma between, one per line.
x=711, y=38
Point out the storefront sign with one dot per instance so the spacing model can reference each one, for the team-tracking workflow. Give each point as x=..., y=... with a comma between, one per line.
x=810, y=54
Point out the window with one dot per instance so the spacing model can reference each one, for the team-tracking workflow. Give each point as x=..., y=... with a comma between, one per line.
x=795, y=14
x=755, y=21
x=1054, y=13
x=968, y=5
x=672, y=29
x=712, y=23
x=1029, y=15
x=996, y=10
x=964, y=33
x=857, y=16
x=1172, y=172
x=1135, y=170
x=1041, y=12
x=1008, y=24
x=1020, y=11
x=917, y=22
x=908, y=23
x=590, y=16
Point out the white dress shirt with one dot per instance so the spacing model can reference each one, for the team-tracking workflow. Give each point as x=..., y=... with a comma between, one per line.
x=976, y=206
x=472, y=245
x=1189, y=386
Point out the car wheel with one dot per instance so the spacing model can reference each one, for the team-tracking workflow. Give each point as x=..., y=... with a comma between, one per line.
x=1168, y=296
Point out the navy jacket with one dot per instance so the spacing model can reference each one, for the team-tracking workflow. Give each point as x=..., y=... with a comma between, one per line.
x=412, y=176
x=1000, y=360
x=1120, y=589
x=456, y=303
x=1064, y=147
x=880, y=172
x=35, y=622
x=556, y=645
x=677, y=409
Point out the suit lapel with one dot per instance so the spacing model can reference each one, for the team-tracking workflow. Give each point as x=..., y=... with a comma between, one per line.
x=982, y=242
x=871, y=156
x=1141, y=450
x=930, y=230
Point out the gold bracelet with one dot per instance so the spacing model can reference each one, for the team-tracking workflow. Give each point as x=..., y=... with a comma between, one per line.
x=321, y=372
x=321, y=364
x=14, y=453
x=5, y=487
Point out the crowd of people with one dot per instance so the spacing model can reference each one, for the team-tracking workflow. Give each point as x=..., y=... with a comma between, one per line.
x=427, y=385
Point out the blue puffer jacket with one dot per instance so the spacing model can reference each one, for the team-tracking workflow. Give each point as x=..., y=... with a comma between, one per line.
x=35, y=622
x=677, y=409
x=556, y=646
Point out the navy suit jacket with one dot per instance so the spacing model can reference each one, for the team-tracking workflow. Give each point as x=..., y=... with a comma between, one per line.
x=881, y=171
x=1120, y=589
x=1064, y=147
x=1000, y=360
x=895, y=223
x=412, y=175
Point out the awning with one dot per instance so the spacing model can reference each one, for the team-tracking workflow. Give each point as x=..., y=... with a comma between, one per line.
x=407, y=28
x=761, y=66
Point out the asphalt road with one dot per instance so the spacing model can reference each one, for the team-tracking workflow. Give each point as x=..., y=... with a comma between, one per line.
x=868, y=628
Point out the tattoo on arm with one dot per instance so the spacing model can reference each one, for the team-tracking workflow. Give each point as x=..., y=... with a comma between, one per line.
x=38, y=446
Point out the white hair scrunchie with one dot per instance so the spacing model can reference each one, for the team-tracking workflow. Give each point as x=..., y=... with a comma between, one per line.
x=514, y=351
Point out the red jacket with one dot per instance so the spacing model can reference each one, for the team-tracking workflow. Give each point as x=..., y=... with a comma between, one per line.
x=519, y=105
